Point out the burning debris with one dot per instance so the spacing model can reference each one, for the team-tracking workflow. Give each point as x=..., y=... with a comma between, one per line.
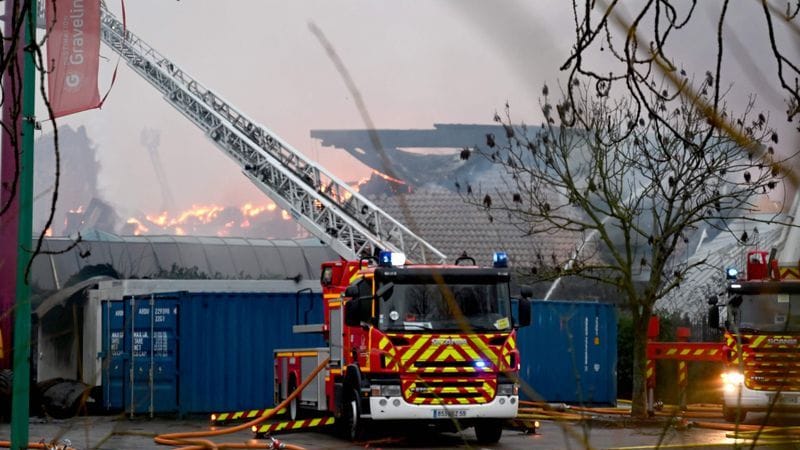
x=249, y=220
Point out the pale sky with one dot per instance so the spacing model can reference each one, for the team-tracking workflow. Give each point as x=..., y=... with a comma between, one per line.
x=416, y=63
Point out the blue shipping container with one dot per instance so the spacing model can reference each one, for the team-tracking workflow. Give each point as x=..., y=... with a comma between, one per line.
x=569, y=352
x=209, y=351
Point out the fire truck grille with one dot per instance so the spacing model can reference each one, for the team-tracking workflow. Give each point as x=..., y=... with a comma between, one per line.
x=443, y=391
x=772, y=369
x=424, y=364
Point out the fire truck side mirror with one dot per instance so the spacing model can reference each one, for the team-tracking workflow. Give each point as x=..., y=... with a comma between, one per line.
x=351, y=291
x=713, y=317
x=352, y=309
x=524, y=312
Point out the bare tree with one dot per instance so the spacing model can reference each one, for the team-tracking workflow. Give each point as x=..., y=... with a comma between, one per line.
x=633, y=186
x=632, y=46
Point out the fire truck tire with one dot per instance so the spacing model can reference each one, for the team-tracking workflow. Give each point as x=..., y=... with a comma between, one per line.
x=352, y=425
x=5, y=394
x=733, y=415
x=488, y=431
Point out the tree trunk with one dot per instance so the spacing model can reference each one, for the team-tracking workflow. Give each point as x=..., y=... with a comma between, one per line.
x=641, y=319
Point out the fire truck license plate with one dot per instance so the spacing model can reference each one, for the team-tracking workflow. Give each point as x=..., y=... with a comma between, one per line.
x=443, y=413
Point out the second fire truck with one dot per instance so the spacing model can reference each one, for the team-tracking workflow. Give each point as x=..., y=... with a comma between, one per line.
x=432, y=343
x=762, y=338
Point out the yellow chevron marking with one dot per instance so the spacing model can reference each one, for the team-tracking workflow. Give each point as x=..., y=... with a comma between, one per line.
x=671, y=351
x=470, y=352
x=418, y=344
x=478, y=342
x=758, y=341
x=684, y=352
x=426, y=355
x=450, y=352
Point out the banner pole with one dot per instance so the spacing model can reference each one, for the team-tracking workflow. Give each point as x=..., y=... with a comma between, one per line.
x=20, y=407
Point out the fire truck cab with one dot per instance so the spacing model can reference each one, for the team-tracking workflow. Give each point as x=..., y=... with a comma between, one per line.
x=432, y=343
x=762, y=332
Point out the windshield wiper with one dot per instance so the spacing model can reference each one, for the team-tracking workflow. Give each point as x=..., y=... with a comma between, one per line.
x=749, y=330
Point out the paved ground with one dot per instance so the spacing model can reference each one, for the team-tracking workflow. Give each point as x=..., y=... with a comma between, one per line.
x=117, y=433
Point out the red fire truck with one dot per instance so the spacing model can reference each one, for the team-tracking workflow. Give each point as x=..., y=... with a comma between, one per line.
x=433, y=343
x=762, y=336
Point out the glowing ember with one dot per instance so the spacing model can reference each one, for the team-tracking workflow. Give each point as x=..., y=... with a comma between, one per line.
x=387, y=177
x=248, y=210
x=204, y=214
x=140, y=228
x=160, y=220
x=252, y=219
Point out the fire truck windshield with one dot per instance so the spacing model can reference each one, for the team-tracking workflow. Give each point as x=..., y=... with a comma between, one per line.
x=418, y=307
x=766, y=312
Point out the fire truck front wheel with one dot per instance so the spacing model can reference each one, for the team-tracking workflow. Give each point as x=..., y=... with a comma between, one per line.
x=488, y=431
x=352, y=423
x=733, y=414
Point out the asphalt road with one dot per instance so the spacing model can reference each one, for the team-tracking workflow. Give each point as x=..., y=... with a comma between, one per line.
x=119, y=433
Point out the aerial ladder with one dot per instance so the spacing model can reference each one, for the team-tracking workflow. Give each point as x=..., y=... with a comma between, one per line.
x=328, y=208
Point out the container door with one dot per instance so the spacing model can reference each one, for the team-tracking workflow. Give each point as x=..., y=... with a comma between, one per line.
x=113, y=355
x=151, y=378
x=600, y=356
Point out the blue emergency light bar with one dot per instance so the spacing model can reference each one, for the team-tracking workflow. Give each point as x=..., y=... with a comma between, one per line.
x=500, y=259
x=731, y=273
x=389, y=259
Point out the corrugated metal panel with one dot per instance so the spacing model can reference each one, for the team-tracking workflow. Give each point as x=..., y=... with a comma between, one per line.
x=151, y=372
x=224, y=349
x=569, y=352
x=114, y=355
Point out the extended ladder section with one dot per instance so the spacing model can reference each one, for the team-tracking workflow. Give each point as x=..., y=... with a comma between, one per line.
x=327, y=207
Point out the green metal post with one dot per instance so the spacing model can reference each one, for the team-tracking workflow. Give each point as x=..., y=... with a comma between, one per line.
x=20, y=409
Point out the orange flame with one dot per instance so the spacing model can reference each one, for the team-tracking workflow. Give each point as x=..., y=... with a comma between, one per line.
x=140, y=228
x=189, y=221
x=387, y=177
x=248, y=210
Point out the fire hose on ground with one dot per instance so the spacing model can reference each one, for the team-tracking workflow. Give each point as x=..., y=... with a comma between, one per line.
x=192, y=440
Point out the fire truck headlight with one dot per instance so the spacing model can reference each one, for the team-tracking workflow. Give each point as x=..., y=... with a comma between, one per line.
x=385, y=390
x=507, y=389
x=732, y=380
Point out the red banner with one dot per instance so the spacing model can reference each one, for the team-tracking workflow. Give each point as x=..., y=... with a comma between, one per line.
x=73, y=53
